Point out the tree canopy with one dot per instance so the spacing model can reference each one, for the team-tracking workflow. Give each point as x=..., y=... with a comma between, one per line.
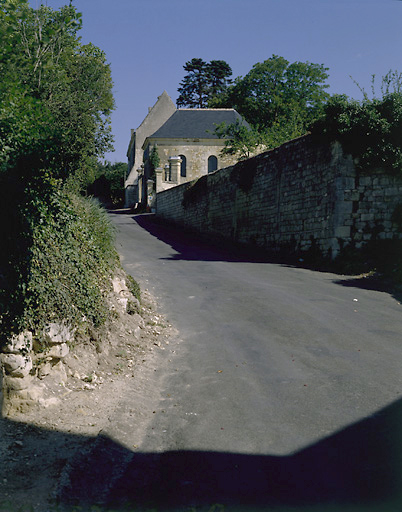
x=278, y=99
x=55, y=93
x=203, y=82
x=275, y=91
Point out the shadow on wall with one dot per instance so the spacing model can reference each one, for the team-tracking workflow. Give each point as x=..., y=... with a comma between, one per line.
x=356, y=469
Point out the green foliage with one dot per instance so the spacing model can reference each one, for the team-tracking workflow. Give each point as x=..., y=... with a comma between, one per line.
x=107, y=183
x=240, y=139
x=369, y=129
x=276, y=92
x=62, y=270
x=55, y=102
x=384, y=257
x=154, y=161
x=55, y=94
x=195, y=191
x=243, y=174
x=244, y=141
x=133, y=287
x=278, y=99
x=203, y=82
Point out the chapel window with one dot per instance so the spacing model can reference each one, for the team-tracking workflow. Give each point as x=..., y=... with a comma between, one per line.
x=212, y=163
x=183, y=166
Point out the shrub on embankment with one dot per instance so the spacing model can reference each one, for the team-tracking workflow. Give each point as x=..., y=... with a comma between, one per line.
x=58, y=261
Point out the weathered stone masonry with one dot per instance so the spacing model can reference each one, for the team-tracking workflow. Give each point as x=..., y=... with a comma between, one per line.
x=288, y=198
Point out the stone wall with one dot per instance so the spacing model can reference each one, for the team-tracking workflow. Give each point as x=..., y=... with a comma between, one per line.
x=288, y=199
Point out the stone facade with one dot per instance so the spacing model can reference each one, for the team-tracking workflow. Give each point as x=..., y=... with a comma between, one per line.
x=197, y=153
x=288, y=199
x=157, y=116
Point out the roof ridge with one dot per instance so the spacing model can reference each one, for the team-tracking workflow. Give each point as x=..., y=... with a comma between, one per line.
x=204, y=109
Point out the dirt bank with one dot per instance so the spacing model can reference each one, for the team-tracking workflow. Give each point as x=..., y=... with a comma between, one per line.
x=36, y=443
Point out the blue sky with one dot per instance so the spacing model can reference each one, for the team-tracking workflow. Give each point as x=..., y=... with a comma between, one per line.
x=147, y=43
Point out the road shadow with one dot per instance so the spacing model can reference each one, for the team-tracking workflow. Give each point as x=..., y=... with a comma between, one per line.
x=372, y=282
x=190, y=245
x=360, y=466
x=356, y=469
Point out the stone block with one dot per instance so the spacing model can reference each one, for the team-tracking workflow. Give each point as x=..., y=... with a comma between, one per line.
x=123, y=303
x=352, y=195
x=119, y=285
x=342, y=231
x=16, y=365
x=58, y=351
x=17, y=383
x=345, y=183
x=365, y=181
x=391, y=191
x=57, y=333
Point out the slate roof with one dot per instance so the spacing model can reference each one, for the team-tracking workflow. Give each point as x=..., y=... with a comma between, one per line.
x=196, y=123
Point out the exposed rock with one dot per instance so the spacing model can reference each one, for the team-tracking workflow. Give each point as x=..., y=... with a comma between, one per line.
x=58, y=373
x=48, y=402
x=21, y=400
x=55, y=333
x=58, y=351
x=119, y=286
x=16, y=365
x=139, y=320
x=17, y=383
x=133, y=306
x=123, y=301
x=44, y=370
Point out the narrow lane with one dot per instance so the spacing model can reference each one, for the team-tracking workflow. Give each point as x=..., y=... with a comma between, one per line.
x=286, y=381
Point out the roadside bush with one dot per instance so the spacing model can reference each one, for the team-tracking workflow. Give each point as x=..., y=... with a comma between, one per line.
x=62, y=270
x=133, y=287
x=380, y=256
x=369, y=129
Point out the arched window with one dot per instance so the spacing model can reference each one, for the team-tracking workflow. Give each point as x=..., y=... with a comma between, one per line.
x=212, y=163
x=183, y=166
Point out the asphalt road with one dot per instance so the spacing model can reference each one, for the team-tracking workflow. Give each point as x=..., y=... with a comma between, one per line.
x=282, y=389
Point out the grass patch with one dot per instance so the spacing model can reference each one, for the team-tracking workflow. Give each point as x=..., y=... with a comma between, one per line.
x=133, y=287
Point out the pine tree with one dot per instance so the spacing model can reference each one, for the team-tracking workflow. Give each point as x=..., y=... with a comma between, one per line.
x=203, y=82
